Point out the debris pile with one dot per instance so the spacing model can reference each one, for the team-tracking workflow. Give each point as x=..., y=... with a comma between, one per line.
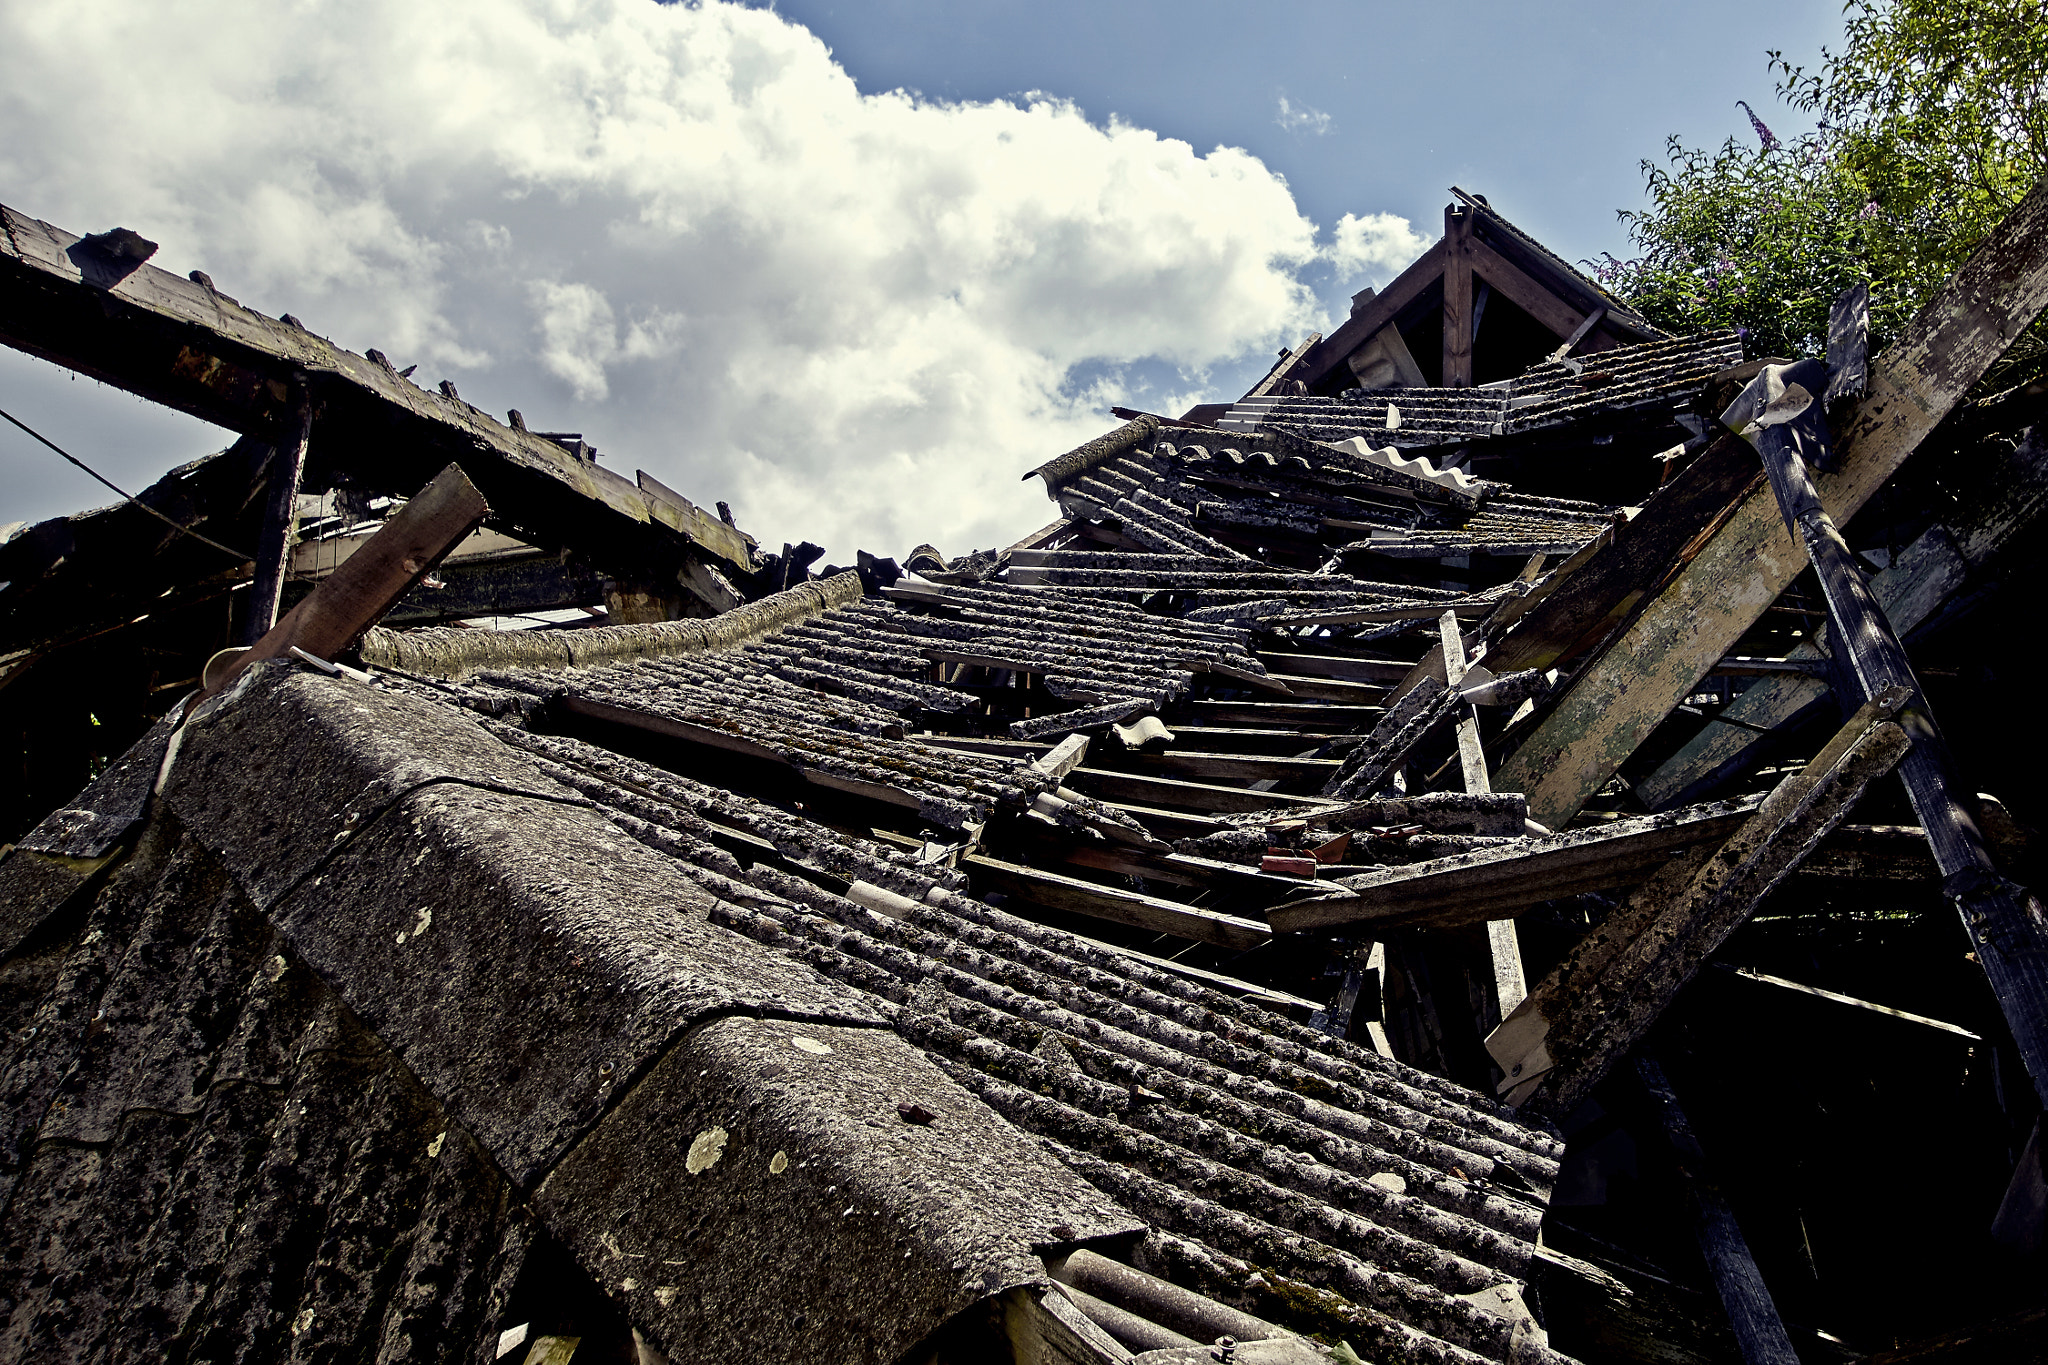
x=1447, y=858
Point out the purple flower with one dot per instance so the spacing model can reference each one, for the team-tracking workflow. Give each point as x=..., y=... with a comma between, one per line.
x=1869, y=210
x=1768, y=138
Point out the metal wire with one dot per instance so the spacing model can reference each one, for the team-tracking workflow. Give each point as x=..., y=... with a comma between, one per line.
x=174, y=525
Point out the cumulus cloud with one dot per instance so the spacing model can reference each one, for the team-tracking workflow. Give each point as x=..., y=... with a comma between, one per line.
x=1378, y=243
x=679, y=228
x=1300, y=118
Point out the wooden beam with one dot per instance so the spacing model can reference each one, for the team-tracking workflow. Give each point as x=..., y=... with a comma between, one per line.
x=1227, y=739
x=1607, y=992
x=182, y=343
x=1524, y=292
x=2007, y=492
x=1616, y=700
x=1276, y=714
x=713, y=738
x=1759, y=1332
x=1211, y=767
x=1285, y=369
x=1334, y=666
x=1457, y=335
x=280, y=520
x=355, y=597
x=1503, y=944
x=1837, y=998
x=2005, y=922
x=1496, y=882
x=1471, y=609
x=1326, y=689
x=1195, y=796
x=1578, y=335
x=1407, y=287
x=1108, y=903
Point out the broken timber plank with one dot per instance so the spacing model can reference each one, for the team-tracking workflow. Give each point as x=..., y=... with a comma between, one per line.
x=1273, y=714
x=184, y=344
x=1836, y=997
x=1196, y=796
x=1503, y=945
x=1334, y=666
x=1108, y=903
x=1456, y=369
x=1492, y=883
x=1609, y=990
x=355, y=596
x=1209, y=767
x=1657, y=659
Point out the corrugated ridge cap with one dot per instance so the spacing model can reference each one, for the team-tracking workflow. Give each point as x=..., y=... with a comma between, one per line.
x=447, y=652
x=1101, y=450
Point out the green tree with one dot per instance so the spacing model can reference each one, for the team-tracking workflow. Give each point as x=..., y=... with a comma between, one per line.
x=1932, y=122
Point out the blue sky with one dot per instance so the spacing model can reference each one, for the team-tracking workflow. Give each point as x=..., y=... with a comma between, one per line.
x=719, y=242
x=1547, y=109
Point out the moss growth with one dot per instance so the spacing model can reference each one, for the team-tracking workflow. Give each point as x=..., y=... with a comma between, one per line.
x=1320, y=1313
x=1314, y=1086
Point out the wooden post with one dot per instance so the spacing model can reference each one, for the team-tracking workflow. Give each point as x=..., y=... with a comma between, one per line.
x=1510, y=986
x=280, y=518
x=1759, y=1332
x=2006, y=923
x=1457, y=356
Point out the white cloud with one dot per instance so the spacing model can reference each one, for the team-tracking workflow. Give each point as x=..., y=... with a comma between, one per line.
x=1300, y=118
x=1379, y=243
x=678, y=228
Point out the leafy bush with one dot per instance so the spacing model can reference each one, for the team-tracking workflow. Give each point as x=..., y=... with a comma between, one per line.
x=1932, y=124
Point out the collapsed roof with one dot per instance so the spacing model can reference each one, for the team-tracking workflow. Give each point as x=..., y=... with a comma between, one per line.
x=1090, y=949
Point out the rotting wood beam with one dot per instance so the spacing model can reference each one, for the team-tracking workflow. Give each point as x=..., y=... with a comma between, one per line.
x=182, y=343
x=2008, y=492
x=1333, y=666
x=1837, y=998
x=2006, y=923
x=1493, y=883
x=1651, y=665
x=1202, y=797
x=1072, y=894
x=1608, y=991
x=1272, y=714
x=1524, y=292
x=1214, y=767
